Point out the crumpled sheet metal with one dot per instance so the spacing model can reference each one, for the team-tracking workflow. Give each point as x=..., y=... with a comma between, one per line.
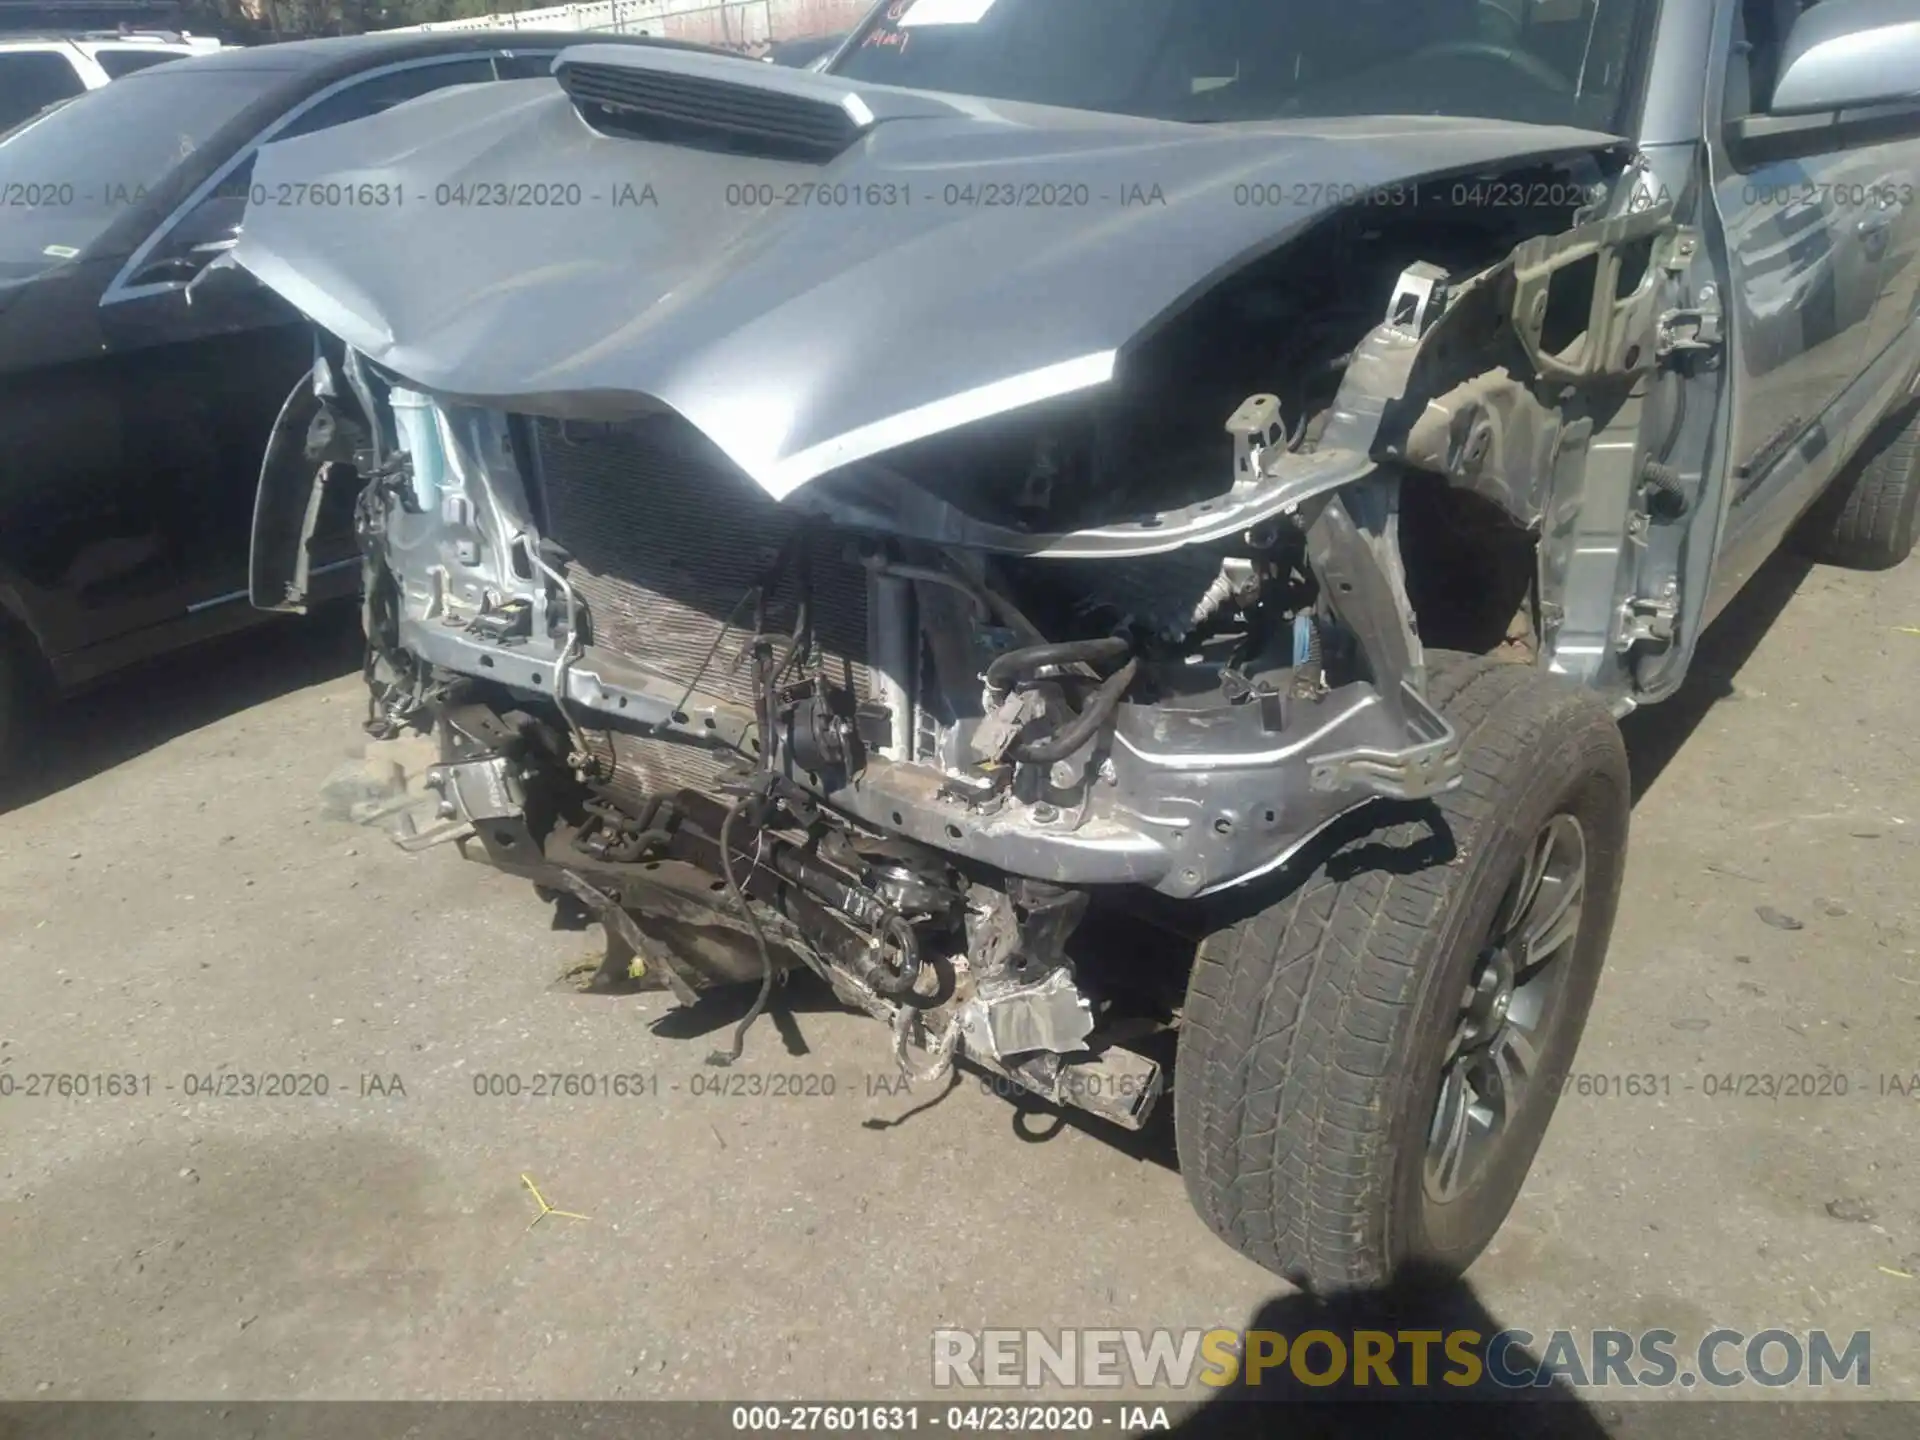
x=832, y=324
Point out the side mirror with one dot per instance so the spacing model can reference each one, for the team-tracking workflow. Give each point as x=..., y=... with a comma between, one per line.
x=1846, y=54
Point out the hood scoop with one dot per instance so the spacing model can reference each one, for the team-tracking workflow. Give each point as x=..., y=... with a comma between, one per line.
x=744, y=107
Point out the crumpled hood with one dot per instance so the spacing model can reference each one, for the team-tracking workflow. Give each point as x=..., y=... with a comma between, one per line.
x=962, y=258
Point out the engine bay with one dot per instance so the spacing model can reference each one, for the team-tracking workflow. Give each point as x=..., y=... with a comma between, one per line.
x=905, y=727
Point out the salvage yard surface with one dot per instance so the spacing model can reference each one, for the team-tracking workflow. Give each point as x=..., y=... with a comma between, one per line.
x=185, y=900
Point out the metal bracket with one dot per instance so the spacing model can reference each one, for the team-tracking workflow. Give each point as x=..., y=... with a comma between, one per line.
x=414, y=843
x=1004, y=722
x=1648, y=620
x=476, y=789
x=1419, y=297
x=1257, y=426
x=1353, y=547
x=1422, y=770
x=1004, y=1021
x=1621, y=320
x=1692, y=331
x=507, y=625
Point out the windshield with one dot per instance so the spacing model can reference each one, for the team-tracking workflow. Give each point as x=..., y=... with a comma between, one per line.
x=1562, y=62
x=67, y=175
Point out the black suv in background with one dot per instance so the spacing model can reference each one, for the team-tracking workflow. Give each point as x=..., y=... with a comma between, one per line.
x=42, y=69
x=138, y=387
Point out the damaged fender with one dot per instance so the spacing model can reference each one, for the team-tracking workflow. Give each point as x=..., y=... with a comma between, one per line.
x=314, y=447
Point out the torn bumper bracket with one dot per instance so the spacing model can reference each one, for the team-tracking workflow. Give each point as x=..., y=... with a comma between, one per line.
x=1353, y=546
x=1116, y=1084
x=611, y=913
x=1425, y=768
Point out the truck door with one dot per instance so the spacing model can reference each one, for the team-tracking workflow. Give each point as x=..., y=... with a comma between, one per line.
x=1807, y=277
x=1811, y=244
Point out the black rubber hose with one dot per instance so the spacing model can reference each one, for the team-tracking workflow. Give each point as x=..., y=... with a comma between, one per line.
x=1084, y=726
x=739, y=897
x=1661, y=477
x=658, y=819
x=895, y=983
x=1665, y=481
x=1016, y=664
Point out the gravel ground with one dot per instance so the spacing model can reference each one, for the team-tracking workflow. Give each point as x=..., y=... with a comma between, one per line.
x=183, y=896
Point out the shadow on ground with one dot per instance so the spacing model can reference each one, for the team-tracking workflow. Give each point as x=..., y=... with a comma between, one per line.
x=1316, y=1397
x=1657, y=734
x=1488, y=1389
x=174, y=695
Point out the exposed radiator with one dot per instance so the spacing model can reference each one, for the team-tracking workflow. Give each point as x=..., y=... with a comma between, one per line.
x=667, y=541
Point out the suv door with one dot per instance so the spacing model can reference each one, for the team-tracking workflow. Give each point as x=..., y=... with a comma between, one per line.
x=1820, y=258
x=81, y=529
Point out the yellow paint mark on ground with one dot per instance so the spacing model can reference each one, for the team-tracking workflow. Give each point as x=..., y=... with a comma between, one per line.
x=545, y=1208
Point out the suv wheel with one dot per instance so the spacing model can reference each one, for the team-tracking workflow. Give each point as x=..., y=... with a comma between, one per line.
x=1367, y=1065
x=1866, y=520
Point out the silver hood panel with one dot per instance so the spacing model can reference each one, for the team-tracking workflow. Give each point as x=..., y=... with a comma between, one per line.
x=884, y=304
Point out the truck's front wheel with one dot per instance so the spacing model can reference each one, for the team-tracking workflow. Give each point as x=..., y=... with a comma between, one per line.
x=1367, y=1065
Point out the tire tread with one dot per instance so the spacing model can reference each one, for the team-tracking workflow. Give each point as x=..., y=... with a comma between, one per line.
x=1294, y=1015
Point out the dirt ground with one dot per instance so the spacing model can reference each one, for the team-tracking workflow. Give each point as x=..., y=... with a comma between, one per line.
x=182, y=898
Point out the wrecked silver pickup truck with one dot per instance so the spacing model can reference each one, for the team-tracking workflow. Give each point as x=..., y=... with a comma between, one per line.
x=1067, y=477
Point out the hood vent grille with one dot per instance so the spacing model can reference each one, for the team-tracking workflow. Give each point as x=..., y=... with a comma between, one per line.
x=680, y=109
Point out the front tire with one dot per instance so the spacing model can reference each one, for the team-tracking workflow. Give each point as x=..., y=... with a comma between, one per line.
x=1340, y=1047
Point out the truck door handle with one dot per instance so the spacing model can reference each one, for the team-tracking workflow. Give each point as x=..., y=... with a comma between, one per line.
x=1873, y=233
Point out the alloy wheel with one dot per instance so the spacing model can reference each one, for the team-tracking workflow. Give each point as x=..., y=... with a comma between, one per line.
x=1508, y=1009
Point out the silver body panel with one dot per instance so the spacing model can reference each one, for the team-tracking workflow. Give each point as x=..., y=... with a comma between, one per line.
x=795, y=335
x=808, y=317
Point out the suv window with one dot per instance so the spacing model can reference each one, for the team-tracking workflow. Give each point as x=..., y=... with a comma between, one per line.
x=31, y=80
x=124, y=62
